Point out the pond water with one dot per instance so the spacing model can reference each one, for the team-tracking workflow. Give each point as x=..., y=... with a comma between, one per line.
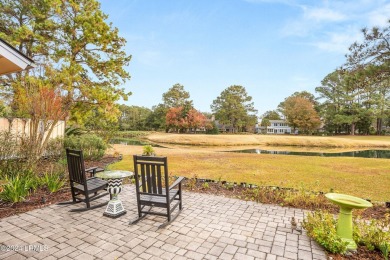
x=363, y=154
x=128, y=141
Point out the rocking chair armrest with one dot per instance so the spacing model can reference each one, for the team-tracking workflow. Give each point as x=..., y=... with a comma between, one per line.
x=91, y=169
x=94, y=170
x=177, y=182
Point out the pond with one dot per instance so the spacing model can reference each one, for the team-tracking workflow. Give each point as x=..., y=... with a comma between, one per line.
x=129, y=141
x=363, y=154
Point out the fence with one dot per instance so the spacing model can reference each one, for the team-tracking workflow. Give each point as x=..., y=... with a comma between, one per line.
x=21, y=126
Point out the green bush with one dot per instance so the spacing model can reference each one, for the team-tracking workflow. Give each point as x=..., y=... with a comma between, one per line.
x=74, y=130
x=53, y=181
x=148, y=150
x=10, y=155
x=214, y=130
x=93, y=147
x=321, y=226
x=54, y=147
x=373, y=234
x=17, y=188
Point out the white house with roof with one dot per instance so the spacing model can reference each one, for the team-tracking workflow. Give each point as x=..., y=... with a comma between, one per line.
x=278, y=127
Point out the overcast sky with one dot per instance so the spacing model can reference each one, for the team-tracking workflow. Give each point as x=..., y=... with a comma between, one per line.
x=272, y=48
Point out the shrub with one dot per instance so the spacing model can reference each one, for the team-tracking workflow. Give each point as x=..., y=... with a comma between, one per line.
x=305, y=198
x=385, y=249
x=74, y=130
x=53, y=181
x=11, y=158
x=321, y=226
x=264, y=194
x=214, y=130
x=93, y=147
x=8, y=146
x=373, y=234
x=148, y=150
x=54, y=147
x=18, y=187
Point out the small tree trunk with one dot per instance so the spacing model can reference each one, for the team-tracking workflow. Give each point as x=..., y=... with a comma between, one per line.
x=378, y=126
x=353, y=129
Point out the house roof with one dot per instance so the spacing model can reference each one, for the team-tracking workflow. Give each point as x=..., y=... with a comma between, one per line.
x=277, y=121
x=12, y=60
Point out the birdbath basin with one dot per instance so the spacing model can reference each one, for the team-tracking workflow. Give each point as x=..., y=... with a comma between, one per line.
x=344, y=225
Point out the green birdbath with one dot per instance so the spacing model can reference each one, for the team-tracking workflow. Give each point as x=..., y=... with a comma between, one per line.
x=344, y=225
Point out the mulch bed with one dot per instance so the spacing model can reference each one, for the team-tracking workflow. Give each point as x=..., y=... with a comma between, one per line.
x=362, y=254
x=214, y=188
x=42, y=198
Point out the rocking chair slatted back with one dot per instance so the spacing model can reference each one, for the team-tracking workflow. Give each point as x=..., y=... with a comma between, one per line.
x=152, y=171
x=76, y=166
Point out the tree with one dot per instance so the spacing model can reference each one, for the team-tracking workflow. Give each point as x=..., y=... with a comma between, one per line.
x=156, y=120
x=370, y=62
x=196, y=120
x=174, y=119
x=303, y=94
x=332, y=92
x=300, y=113
x=193, y=120
x=44, y=106
x=234, y=107
x=271, y=115
x=76, y=50
x=176, y=96
x=133, y=117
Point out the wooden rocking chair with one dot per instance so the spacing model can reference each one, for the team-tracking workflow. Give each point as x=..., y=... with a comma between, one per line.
x=80, y=184
x=153, y=190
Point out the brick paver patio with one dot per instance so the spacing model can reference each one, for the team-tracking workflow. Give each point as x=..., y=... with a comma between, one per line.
x=209, y=227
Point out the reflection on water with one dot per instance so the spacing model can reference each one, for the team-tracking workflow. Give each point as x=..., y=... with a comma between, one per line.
x=128, y=141
x=363, y=154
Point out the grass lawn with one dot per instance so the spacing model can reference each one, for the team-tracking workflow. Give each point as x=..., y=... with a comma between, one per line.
x=366, y=178
x=272, y=140
x=384, y=138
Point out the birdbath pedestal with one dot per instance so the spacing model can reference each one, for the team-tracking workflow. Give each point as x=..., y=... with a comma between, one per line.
x=344, y=225
x=114, y=207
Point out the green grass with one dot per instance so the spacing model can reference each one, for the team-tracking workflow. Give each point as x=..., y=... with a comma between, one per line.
x=365, y=178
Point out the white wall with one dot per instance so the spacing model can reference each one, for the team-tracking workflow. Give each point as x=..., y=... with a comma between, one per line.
x=19, y=126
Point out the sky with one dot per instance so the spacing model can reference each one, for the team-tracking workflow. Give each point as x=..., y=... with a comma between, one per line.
x=273, y=48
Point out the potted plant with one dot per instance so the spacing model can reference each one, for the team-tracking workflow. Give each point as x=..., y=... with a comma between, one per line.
x=148, y=150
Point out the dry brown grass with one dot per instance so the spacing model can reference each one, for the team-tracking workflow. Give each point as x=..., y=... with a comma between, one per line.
x=269, y=140
x=367, y=178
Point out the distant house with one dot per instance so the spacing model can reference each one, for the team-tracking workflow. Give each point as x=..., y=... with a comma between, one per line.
x=278, y=127
x=224, y=128
x=12, y=60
